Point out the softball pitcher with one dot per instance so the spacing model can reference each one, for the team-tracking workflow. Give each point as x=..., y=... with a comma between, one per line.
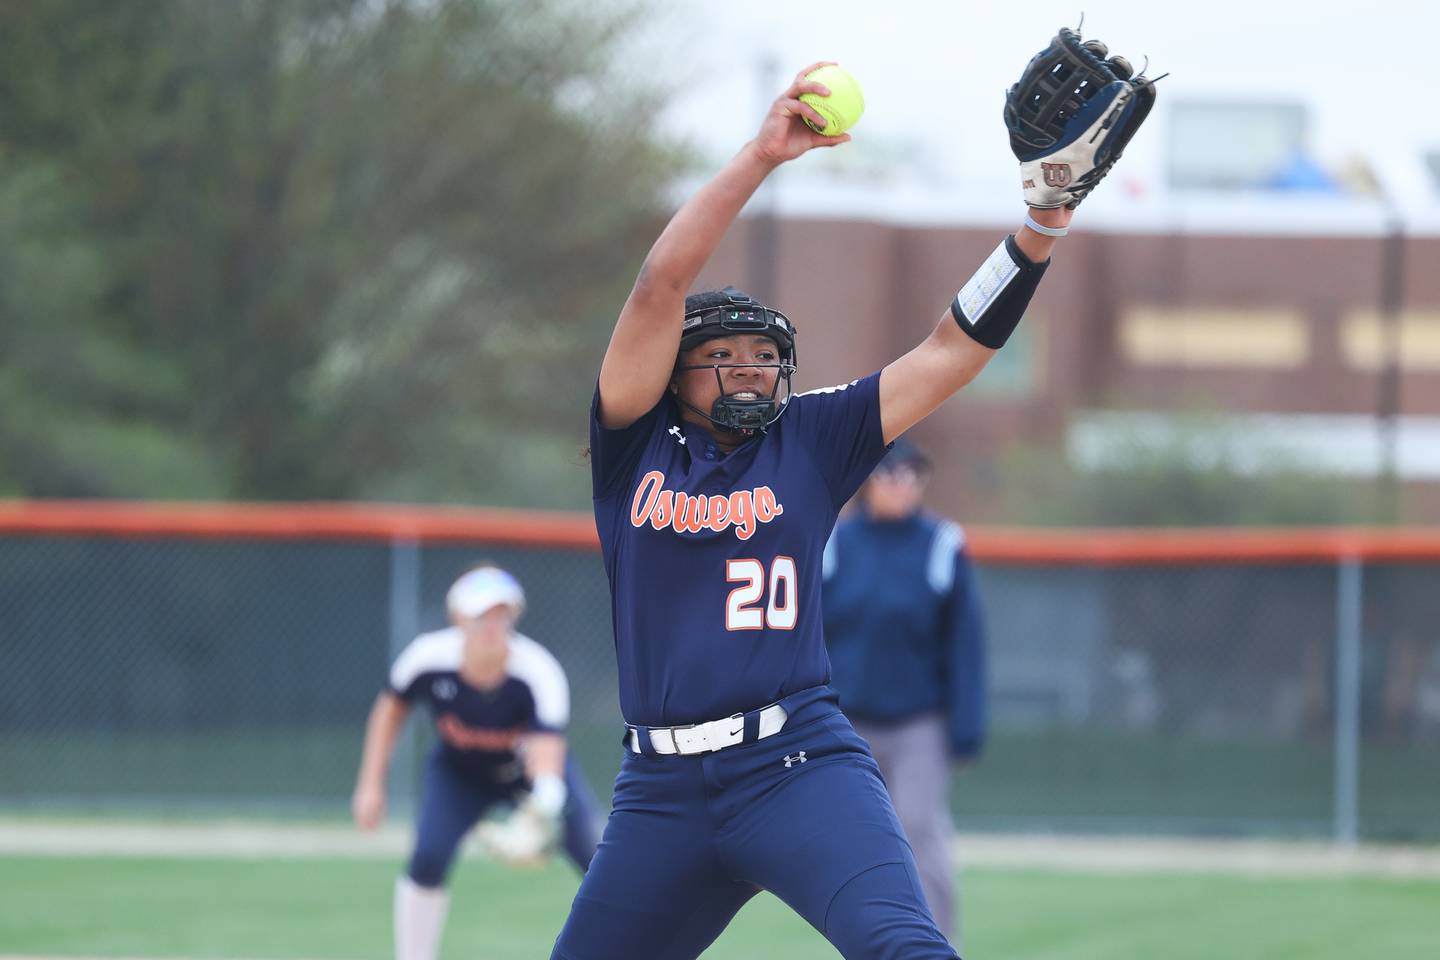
x=715, y=489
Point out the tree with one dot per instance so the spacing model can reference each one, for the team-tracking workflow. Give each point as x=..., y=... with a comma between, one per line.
x=315, y=248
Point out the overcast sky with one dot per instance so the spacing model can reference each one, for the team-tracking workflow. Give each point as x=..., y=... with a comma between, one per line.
x=934, y=73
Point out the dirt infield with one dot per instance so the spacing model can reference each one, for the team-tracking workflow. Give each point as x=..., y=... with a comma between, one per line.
x=23, y=836
x=1169, y=855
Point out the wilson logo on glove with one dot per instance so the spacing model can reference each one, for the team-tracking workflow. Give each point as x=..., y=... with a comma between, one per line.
x=1056, y=174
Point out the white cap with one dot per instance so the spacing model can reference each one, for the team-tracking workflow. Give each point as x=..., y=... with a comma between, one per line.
x=480, y=590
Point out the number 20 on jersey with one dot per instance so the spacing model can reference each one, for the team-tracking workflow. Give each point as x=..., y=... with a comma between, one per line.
x=764, y=598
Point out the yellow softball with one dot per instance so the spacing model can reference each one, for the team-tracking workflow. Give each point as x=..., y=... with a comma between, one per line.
x=844, y=105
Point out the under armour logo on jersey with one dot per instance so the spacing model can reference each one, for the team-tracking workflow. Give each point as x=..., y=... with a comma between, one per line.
x=791, y=761
x=675, y=432
x=445, y=689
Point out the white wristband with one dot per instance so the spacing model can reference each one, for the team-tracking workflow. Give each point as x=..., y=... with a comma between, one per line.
x=548, y=794
x=1040, y=228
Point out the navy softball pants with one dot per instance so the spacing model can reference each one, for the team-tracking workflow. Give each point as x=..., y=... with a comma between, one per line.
x=452, y=803
x=802, y=814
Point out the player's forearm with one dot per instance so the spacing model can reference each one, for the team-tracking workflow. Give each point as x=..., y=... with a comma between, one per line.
x=382, y=729
x=545, y=766
x=697, y=228
x=375, y=761
x=544, y=755
x=641, y=356
x=984, y=313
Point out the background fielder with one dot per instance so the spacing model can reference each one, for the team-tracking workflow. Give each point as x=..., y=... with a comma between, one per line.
x=500, y=703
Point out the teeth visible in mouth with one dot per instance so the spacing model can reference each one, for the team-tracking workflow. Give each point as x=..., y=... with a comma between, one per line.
x=746, y=395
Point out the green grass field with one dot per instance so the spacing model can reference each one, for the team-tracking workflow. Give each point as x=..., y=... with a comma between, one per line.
x=1082, y=780
x=269, y=908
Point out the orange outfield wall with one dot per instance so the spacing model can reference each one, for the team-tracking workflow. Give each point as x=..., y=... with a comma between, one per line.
x=541, y=530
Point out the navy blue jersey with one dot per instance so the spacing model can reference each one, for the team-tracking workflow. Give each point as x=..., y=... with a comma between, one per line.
x=478, y=730
x=714, y=559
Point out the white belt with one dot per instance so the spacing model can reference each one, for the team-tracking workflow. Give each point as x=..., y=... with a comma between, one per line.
x=713, y=735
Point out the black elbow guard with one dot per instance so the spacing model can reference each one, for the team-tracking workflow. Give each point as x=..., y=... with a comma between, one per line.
x=991, y=303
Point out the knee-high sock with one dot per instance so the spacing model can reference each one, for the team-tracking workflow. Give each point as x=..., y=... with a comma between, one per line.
x=419, y=919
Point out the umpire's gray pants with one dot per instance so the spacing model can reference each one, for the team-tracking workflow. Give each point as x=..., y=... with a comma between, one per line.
x=915, y=763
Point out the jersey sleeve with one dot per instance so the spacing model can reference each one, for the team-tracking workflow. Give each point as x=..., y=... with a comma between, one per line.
x=542, y=673
x=427, y=654
x=414, y=662
x=614, y=453
x=841, y=427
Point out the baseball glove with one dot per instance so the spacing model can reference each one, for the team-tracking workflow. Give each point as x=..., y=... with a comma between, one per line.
x=523, y=839
x=1070, y=115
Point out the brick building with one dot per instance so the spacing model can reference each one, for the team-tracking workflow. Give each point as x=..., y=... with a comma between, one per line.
x=1284, y=336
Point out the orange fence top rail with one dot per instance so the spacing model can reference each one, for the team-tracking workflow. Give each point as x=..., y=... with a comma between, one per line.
x=1142, y=546
x=296, y=521
x=543, y=529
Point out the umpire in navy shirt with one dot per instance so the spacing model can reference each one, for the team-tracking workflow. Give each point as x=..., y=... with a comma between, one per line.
x=907, y=651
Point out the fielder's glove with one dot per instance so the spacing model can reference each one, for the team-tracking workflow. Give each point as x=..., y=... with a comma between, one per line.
x=1069, y=117
x=523, y=839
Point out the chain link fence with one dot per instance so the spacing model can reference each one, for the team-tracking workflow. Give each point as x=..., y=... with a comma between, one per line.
x=233, y=676
x=1212, y=698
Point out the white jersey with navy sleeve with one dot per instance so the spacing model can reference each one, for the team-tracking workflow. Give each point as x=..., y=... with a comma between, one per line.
x=479, y=729
x=714, y=560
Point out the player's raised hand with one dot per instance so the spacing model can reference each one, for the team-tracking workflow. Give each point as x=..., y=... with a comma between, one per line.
x=1070, y=115
x=367, y=806
x=784, y=134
